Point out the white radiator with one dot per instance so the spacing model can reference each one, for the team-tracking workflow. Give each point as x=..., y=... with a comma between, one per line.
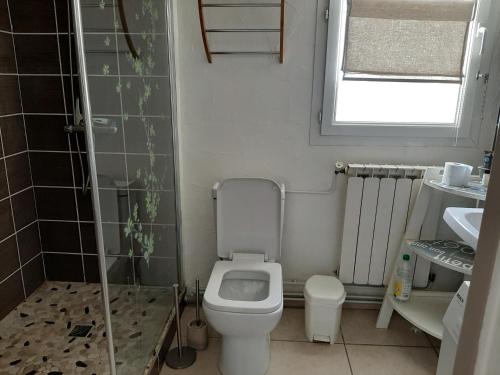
x=379, y=200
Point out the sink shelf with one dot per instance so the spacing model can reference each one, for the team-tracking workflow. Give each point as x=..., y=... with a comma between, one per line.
x=474, y=191
x=425, y=310
x=446, y=253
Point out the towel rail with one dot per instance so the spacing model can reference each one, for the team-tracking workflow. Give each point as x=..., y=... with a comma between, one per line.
x=205, y=31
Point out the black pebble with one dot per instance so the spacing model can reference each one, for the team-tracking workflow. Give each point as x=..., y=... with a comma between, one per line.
x=114, y=300
x=104, y=334
x=53, y=304
x=54, y=289
x=144, y=313
x=152, y=300
x=23, y=315
x=68, y=286
x=29, y=324
x=73, y=292
x=68, y=326
x=13, y=363
x=113, y=312
x=38, y=300
x=93, y=322
x=32, y=372
x=73, y=339
x=134, y=335
x=26, y=343
x=44, y=358
x=81, y=364
x=97, y=292
x=87, y=346
x=66, y=350
x=63, y=310
x=55, y=373
x=87, y=310
x=49, y=322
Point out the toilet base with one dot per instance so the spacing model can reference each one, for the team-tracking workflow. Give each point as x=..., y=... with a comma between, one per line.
x=248, y=355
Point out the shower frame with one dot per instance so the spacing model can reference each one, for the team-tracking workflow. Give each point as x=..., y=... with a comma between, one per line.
x=87, y=115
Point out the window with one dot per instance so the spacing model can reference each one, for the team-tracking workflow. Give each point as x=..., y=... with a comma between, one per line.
x=402, y=67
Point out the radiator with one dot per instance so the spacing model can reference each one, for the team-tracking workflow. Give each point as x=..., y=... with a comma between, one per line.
x=378, y=202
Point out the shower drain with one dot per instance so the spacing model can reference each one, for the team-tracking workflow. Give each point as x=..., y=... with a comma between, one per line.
x=80, y=330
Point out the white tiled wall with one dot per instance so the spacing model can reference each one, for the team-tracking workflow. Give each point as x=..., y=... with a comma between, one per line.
x=250, y=116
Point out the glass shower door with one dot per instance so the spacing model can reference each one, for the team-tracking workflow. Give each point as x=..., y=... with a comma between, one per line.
x=126, y=91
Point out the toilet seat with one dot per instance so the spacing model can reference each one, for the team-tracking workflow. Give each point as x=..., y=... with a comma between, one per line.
x=272, y=303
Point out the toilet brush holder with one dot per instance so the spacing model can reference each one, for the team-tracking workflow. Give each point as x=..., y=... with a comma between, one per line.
x=197, y=330
x=197, y=335
x=182, y=356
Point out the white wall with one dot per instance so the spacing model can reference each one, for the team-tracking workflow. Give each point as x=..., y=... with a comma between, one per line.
x=250, y=116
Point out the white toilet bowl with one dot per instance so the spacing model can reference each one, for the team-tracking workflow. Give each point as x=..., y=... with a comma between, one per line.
x=243, y=300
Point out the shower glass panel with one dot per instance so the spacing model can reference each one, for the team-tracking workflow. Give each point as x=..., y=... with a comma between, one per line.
x=126, y=47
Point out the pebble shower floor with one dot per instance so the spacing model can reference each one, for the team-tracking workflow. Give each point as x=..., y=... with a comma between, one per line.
x=35, y=336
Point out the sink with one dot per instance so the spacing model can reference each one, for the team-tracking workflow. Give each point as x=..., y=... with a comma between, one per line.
x=465, y=222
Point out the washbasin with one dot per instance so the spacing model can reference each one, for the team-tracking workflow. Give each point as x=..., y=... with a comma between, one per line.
x=465, y=222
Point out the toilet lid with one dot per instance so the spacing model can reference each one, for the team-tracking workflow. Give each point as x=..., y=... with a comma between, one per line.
x=249, y=217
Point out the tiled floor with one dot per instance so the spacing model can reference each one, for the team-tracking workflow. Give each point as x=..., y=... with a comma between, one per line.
x=34, y=336
x=361, y=349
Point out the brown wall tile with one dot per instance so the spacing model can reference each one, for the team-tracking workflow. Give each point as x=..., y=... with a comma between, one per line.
x=4, y=191
x=11, y=293
x=18, y=169
x=22, y=12
x=63, y=267
x=6, y=223
x=28, y=241
x=9, y=92
x=55, y=204
x=9, y=257
x=14, y=138
x=60, y=236
x=51, y=169
x=38, y=54
x=42, y=94
x=46, y=132
x=23, y=205
x=7, y=59
x=33, y=275
x=4, y=16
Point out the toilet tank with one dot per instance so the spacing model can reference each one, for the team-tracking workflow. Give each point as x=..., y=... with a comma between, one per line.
x=249, y=217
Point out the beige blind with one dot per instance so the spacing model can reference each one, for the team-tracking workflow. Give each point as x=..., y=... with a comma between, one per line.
x=407, y=37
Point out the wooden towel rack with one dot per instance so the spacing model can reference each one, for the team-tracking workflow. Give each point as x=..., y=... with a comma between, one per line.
x=205, y=31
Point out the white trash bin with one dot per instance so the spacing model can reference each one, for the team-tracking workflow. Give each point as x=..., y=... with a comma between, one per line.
x=324, y=297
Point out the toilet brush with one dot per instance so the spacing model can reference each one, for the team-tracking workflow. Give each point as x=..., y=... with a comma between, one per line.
x=182, y=356
x=197, y=334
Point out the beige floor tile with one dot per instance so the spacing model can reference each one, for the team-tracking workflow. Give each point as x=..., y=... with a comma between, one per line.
x=292, y=326
x=391, y=360
x=358, y=327
x=206, y=362
x=299, y=358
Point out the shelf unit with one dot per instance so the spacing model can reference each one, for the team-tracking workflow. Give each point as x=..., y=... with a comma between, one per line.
x=425, y=309
x=205, y=31
x=448, y=254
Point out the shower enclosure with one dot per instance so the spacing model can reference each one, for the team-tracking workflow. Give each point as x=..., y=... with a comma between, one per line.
x=125, y=65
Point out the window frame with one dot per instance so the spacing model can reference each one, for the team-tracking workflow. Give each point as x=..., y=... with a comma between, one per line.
x=336, y=35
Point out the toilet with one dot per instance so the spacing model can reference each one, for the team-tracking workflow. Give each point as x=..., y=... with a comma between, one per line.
x=243, y=300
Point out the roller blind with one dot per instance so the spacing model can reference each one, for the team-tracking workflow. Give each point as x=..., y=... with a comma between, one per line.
x=417, y=38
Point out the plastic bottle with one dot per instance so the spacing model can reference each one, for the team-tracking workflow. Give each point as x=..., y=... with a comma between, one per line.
x=402, y=284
